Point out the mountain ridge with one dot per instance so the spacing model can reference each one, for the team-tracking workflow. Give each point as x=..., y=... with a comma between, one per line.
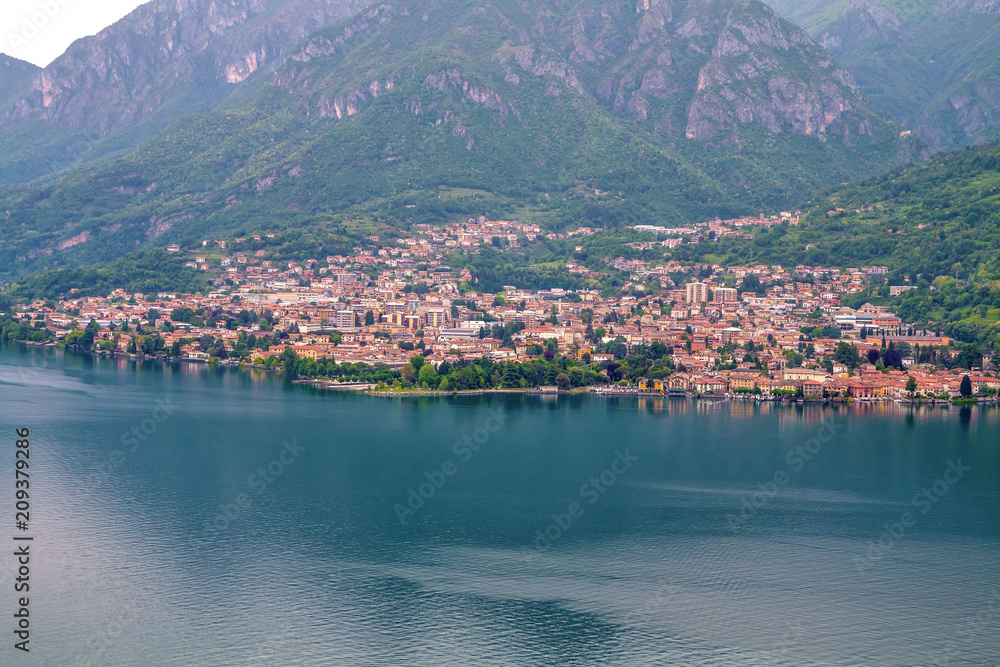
x=933, y=65
x=14, y=76
x=164, y=60
x=533, y=105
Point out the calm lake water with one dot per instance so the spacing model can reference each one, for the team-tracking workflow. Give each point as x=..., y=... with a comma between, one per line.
x=173, y=525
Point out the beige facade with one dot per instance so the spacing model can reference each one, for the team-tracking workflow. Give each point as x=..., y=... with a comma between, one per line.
x=792, y=374
x=725, y=295
x=696, y=293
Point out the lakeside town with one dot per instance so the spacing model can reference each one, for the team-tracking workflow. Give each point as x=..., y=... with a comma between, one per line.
x=396, y=315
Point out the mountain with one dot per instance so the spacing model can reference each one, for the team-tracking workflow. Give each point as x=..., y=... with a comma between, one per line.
x=165, y=60
x=937, y=218
x=938, y=229
x=935, y=226
x=934, y=65
x=14, y=76
x=597, y=112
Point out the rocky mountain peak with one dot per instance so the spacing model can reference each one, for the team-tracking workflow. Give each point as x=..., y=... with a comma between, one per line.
x=165, y=59
x=952, y=8
x=765, y=71
x=14, y=76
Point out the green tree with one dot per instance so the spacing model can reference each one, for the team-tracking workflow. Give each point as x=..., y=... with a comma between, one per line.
x=562, y=381
x=846, y=354
x=408, y=373
x=794, y=359
x=511, y=377
x=417, y=362
x=965, y=388
x=969, y=356
x=87, y=340
x=893, y=358
x=427, y=374
x=288, y=359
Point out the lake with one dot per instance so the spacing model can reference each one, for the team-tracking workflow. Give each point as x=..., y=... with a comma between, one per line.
x=192, y=515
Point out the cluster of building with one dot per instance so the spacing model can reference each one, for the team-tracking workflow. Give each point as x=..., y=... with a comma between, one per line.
x=427, y=245
x=801, y=279
x=386, y=301
x=867, y=383
x=714, y=229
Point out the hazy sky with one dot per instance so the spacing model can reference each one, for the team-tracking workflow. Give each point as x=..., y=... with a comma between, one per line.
x=40, y=30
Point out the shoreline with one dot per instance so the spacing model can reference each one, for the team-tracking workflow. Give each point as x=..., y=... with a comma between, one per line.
x=597, y=390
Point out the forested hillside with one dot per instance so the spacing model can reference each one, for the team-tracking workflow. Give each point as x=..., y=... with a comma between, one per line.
x=936, y=225
x=603, y=113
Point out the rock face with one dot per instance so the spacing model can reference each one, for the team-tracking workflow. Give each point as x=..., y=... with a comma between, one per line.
x=970, y=115
x=933, y=65
x=687, y=68
x=765, y=71
x=165, y=59
x=121, y=74
x=14, y=75
x=470, y=91
x=954, y=8
x=865, y=19
x=662, y=109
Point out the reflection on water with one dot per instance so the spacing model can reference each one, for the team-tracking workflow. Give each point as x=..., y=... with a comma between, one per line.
x=675, y=562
